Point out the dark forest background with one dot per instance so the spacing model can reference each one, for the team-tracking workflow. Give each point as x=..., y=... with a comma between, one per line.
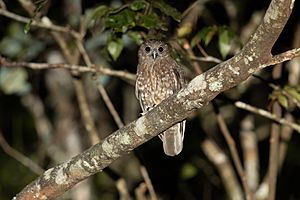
x=40, y=116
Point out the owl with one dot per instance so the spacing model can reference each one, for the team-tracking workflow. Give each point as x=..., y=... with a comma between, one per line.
x=158, y=77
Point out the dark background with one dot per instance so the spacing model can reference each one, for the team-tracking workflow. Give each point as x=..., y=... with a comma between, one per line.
x=190, y=175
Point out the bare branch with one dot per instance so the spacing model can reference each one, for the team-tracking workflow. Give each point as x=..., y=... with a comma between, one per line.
x=40, y=24
x=285, y=56
x=2, y=5
x=189, y=50
x=249, y=144
x=267, y=114
x=235, y=156
x=148, y=183
x=220, y=160
x=286, y=134
x=206, y=59
x=274, y=150
x=76, y=68
x=109, y=105
x=140, y=191
x=20, y=157
x=85, y=113
x=123, y=189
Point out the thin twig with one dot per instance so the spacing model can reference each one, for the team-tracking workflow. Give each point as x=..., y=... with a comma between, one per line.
x=220, y=160
x=80, y=91
x=73, y=58
x=86, y=115
x=206, y=59
x=235, y=156
x=267, y=114
x=202, y=50
x=2, y=5
x=189, y=50
x=284, y=91
x=148, y=183
x=286, y=133
x=293, y=65
x=42, y=123
x=101, y=89
x=249, y=145
x=19, y=156
x=40, y=24
x=110, y=105
x=274, y=156
x=140, y=191
x=121, y=184
x=122, y=188
x=282, y=57
x=76, y=68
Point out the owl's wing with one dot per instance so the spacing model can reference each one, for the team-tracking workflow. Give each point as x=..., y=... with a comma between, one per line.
x=139, y=95
x=173, y=137
x=179, y=73
x=176, y=75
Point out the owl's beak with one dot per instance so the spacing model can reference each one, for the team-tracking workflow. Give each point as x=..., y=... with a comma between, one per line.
x=154, y=54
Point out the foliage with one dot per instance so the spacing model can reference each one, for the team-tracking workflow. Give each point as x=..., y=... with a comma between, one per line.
x=128, y=19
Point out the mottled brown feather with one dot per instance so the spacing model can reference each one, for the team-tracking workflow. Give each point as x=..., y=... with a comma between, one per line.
x=157, y=79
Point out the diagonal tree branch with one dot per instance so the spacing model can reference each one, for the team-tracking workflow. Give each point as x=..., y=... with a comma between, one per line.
x=254, y=56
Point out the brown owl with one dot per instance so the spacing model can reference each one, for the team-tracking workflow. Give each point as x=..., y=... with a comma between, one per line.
x=158, y=77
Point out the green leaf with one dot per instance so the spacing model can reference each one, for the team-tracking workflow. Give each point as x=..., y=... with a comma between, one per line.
x=225, y=37
x=188, y=171
x=152, y=21
x=196, y=39
x=121, y=21
x=14, y=81
x=167, y=9
x=115, y=48
x=138, y=5
x=185, y=29
x=136, y=36
x=39, y=5
x=206, y=34
x=293, y=92
x=100, y=11
x=283, y=101
x=95, y=14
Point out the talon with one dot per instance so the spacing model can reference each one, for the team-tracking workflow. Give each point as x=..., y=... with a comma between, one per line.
x=143, y=113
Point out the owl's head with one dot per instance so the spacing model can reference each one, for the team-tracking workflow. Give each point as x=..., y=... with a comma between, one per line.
x=153, y=49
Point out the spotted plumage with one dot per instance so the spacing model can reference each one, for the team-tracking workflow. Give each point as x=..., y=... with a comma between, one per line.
x=158, y=77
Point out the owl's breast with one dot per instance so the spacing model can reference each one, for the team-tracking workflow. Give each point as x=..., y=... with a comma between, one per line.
x=156, y=81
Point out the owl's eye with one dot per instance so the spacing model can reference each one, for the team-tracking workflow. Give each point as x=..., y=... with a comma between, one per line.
x=147, y=49
x=160, y=49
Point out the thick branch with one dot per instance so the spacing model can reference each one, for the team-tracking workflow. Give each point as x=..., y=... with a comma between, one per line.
x=197, y=94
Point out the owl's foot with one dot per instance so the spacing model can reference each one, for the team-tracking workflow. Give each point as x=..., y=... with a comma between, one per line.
x=148, y=109
x=143, y=113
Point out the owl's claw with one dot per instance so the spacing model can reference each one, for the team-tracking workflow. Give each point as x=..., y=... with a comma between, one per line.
x=148, y=109
x=143, y=113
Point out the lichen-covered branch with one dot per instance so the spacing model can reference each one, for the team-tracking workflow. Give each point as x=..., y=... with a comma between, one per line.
x=254, y=56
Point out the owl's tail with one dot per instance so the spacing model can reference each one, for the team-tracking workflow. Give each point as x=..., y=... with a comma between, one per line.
x=172, y=139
